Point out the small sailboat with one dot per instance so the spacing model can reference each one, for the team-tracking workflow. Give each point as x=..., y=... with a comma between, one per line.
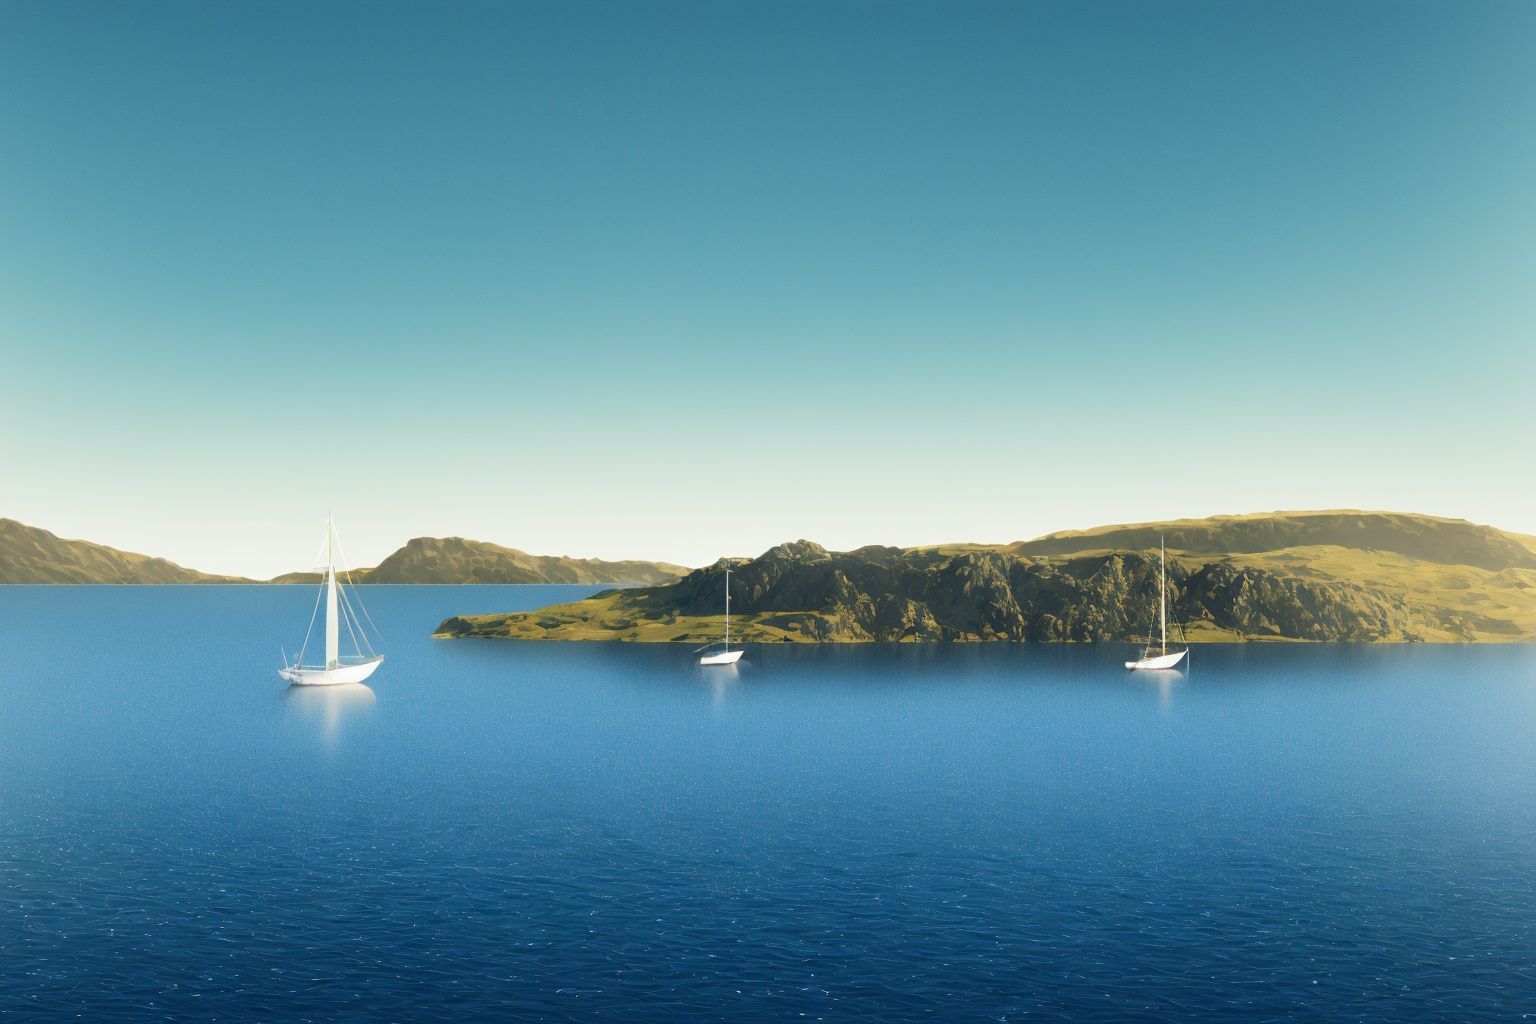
x=339, y=612
x=1156, y=656
x=722, y=654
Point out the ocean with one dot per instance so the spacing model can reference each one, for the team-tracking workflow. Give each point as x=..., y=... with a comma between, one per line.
x=502, y=830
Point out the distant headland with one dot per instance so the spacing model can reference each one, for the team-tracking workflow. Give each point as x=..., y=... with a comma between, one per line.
x=1302, y=576
x=32, y=555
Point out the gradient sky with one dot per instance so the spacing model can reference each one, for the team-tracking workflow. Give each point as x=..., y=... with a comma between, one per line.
x=666, y=280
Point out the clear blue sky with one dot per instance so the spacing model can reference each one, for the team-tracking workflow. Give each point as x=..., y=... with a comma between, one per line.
x=678, y=280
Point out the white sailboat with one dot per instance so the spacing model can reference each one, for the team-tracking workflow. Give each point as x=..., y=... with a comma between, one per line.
x=336, y=669
x=723, y=656
x=1156, y=656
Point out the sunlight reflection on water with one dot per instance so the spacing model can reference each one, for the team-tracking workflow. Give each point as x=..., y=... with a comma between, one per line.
x=330, y=706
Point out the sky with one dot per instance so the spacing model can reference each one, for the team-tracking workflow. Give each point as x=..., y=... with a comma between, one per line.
x=679, y=280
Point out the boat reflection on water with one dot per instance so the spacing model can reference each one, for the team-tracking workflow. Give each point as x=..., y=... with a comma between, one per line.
x=1164, y=681
x=330, y=706
x=721, y=679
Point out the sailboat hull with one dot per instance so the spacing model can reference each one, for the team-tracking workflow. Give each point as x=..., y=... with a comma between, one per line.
x=1162, y=661
x=722, y=658
x=299, y=675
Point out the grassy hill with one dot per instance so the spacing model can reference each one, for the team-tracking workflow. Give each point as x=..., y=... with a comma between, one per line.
x=1421, y=538
x=1336, y=575
x=32, y=555
x=456, y=560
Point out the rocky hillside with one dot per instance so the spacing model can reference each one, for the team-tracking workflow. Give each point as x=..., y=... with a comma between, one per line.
x=1337, y=576
x=32, y=555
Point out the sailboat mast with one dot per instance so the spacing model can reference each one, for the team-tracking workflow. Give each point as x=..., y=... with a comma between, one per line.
x=332, y=626
x=1162, y=592
x=727, y=608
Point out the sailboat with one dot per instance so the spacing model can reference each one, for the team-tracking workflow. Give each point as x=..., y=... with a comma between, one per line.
x=1156, y=656
x=339, y=612
x=724, y=656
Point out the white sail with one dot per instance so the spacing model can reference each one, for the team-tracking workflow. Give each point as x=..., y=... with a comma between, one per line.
x=332, y=626
x=1162, y=592
x=335, y=669
x=726, y=656
x=1162, y=659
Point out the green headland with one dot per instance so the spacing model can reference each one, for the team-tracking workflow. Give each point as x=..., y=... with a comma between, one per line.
x=1300, y=576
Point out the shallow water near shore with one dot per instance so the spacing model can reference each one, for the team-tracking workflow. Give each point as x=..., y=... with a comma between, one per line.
x=608, y=832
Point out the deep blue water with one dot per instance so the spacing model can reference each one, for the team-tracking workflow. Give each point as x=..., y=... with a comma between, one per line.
x=503, y=830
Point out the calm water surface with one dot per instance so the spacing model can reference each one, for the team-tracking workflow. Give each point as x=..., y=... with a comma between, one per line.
x=501, y=830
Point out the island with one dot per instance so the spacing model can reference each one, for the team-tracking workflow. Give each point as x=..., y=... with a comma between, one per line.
x=1300, y=576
